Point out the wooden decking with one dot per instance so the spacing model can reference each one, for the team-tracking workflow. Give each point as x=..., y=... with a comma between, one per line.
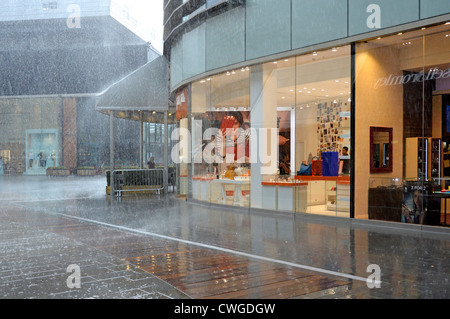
x=200, y=273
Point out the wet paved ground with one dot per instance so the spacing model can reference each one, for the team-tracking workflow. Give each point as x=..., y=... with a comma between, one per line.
x=163, y=247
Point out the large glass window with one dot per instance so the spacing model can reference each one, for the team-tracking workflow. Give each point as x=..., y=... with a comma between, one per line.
x=275, y=136
x=402, y=86
x=219, y=133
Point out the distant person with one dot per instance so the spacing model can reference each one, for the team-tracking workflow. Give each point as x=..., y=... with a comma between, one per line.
x=31, y=158
x=345, y=159
x=151, y=163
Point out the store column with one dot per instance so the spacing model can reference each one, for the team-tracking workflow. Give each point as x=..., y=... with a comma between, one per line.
x=263, y=115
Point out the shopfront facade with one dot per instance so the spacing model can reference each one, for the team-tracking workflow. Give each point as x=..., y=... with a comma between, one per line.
x=336, y=108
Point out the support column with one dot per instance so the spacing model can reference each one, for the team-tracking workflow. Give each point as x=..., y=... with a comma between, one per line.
x=263, y=115
x=166, y=151
x=111, y=150
x=141, y=140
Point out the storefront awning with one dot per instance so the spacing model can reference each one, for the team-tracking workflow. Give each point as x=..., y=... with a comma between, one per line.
x=146, y=89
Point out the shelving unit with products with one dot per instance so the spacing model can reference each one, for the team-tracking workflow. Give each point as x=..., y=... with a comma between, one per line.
x=416, y=164
x=423, y=158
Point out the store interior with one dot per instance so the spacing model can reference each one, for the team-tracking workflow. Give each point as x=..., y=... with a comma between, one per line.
x=402, y=125
x=402, y=86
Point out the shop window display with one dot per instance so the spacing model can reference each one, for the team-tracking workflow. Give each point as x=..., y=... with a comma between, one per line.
x=306, y=101
x=323, y=125
x=220, y=139
x=402, y=83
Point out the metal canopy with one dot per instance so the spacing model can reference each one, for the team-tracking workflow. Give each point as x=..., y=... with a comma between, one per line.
x=146, y=89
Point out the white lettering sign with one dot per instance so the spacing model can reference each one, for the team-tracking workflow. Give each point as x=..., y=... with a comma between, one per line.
x=432, y=74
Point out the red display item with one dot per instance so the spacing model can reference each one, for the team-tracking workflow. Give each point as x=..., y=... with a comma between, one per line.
x=316, y=168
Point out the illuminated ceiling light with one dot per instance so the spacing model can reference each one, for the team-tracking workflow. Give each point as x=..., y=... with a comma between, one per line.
x=307, y=105
x=379, y=38
x=208, y=79
x=154, y=112
x=232, y=72
x=283, y=97
x=202, y=81
x=447, y=23
x=424, y=28
x=300, y=91
x=323, y=90
x=170, y=114
x=242, y=70
x=275, y=62
x=400, y=33
x=228, y=73
x=334, y=49
x=315, y=53
x=286, y=60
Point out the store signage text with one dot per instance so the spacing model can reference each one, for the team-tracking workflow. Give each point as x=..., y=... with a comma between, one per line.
x=432, y=74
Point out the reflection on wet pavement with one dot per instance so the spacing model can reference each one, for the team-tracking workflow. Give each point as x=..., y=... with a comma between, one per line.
x=413, y=264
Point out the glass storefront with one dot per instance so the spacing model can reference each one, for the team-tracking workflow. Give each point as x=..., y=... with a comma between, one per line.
x=401, y=142
x=273, y=136
x=278, y=135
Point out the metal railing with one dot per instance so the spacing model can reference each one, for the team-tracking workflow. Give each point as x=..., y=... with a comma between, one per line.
x=137, y=181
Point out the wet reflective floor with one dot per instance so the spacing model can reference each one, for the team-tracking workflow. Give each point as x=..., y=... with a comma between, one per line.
x=165, y=247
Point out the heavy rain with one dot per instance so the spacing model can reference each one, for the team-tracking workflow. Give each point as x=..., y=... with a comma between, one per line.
x=313, y=188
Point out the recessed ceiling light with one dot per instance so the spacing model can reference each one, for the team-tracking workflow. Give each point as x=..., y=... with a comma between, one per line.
x=315, y=53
